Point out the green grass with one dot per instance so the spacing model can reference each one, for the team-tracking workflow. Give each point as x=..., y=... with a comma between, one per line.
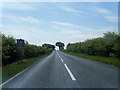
x=10, y=70
x=107, y=60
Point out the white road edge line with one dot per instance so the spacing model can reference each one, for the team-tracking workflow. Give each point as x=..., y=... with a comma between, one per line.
x=70, y=73
x=13, y=77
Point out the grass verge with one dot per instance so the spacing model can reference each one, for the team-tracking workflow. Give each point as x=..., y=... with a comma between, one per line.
x=10, y=70
x=106, y=60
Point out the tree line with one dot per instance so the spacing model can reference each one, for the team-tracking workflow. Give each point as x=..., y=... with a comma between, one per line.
x=10, y=52
x=60, y=45
x=108, y=46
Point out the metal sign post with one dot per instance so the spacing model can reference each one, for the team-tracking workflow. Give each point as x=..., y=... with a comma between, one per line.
x=20, y=47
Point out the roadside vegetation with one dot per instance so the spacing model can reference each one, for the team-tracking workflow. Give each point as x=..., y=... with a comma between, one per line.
x=105, y=49
x=106, y=60
x=60, y=45
x=15, y=60
x=10, y=70
x=10, y=52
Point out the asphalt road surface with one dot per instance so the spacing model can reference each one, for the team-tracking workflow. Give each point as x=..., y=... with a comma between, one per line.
x=60, y=70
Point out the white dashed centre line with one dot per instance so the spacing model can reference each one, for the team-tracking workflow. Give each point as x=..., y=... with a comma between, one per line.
x=62, y=61
x=70, y=73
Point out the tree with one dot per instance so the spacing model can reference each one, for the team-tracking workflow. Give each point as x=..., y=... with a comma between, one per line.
x=10, y=52
x=48, y=46
x=110, y=39
x=60, y=45
x=117, y=46
x=108, y=45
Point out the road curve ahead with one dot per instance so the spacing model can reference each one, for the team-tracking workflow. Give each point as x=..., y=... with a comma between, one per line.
x=60, y=70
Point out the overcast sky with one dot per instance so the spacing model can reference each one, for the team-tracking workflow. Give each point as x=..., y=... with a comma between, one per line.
x=49, y=22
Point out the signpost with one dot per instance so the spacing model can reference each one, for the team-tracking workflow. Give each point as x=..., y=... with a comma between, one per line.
x=20, y=43
x=20, y=47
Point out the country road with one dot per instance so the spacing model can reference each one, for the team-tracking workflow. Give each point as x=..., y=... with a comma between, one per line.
x=60, y=70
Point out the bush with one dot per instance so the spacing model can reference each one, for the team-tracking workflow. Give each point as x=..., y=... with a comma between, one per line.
x=10, y=53
x=108, y=46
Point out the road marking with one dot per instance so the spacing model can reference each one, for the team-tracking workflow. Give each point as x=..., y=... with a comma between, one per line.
x=70, y=73
x=62, y=60
x=13, y=77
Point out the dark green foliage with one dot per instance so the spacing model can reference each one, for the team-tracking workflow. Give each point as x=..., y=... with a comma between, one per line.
x=108, y=46
x=48, y=46
x=10, y=53
x=9, y=50
x=116, y=47
x=60, y=45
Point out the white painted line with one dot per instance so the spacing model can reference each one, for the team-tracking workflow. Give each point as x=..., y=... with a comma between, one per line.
x=13, y=77
x=70, y=73
x=61, y=60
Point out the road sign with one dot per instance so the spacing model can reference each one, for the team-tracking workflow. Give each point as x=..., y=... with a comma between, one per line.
x=20, y=43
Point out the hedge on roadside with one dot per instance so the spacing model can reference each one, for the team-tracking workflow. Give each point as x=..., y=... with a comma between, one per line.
x=108, y=46
x=10, y=53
